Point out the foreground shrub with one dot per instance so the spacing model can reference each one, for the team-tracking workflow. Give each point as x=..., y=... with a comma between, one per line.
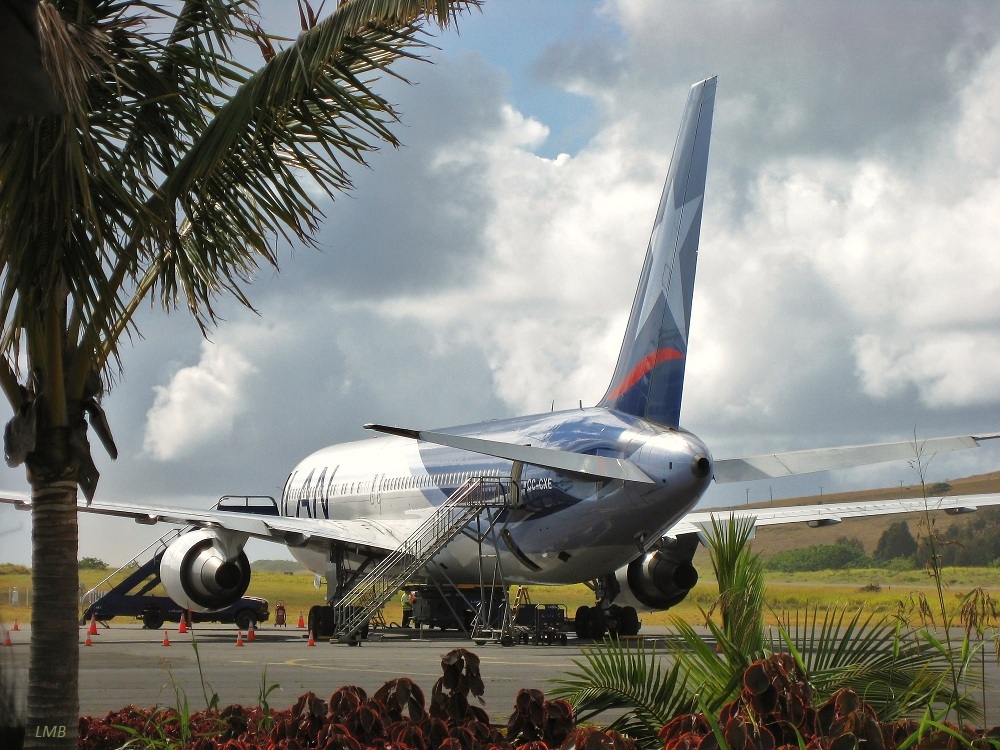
x=775, y=709
x=396, y=717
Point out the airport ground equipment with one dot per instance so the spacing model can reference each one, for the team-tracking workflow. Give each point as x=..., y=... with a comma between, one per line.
x=355, y=608
x=132, y=597
x=457, y=607
x=541, y=624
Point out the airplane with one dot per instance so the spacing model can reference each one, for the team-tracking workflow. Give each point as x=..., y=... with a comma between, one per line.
x=604, y=495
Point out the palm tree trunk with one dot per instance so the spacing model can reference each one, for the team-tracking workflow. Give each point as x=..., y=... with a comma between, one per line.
x=53, y=706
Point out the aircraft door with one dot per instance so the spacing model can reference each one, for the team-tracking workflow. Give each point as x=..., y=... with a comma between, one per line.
x=515, y=483
x=375, y=495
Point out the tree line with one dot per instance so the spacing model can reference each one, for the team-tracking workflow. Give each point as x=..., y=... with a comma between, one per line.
x=965, y=543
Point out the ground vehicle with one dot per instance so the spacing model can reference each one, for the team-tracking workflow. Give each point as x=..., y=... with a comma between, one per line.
x=131, y=598
x=456, y=607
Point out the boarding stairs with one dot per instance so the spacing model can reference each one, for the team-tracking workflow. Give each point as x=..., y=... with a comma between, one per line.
x=161, y=544
x=368, y=596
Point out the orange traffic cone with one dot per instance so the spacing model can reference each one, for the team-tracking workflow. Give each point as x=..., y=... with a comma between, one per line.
x=302, y=622
x=166, y=641
x=7, y=641
x=16, y=626
x=88, y=642
x=311, y=642
x=183, y=627
x=93, y=625
x=251, y=633
x=239, y=638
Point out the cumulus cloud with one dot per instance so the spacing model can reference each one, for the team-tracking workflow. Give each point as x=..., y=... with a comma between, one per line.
x=946, y=370
x=200, y=404
x=847, y=283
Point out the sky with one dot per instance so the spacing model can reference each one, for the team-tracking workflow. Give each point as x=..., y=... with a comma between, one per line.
x=848, y=287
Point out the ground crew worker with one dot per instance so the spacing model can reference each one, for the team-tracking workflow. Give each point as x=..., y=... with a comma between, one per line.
x=407, y=600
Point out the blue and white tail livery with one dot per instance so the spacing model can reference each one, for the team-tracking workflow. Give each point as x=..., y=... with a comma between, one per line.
x=649, y=379
x=605, y=494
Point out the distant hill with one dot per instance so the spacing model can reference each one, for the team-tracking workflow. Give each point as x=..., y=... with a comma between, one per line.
x=773, y=539
x=276, y=566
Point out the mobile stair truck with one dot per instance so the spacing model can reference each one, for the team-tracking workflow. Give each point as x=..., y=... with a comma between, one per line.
x=134, y=597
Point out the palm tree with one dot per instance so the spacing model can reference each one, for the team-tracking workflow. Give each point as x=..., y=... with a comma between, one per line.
x=171, y=176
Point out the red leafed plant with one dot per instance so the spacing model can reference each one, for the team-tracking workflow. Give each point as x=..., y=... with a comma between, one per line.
x=394, y=718
x=774, y=711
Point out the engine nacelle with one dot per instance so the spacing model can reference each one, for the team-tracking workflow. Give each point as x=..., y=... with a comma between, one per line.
x=659, y=579
x=199, y=575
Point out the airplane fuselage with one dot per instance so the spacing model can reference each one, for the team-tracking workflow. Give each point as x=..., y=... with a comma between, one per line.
x=564, y=528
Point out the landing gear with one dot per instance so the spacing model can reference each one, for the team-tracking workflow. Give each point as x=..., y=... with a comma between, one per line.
x=594, y=622
x=323, y=624
x=623, y=621
x=629, y=624
x=590, y=623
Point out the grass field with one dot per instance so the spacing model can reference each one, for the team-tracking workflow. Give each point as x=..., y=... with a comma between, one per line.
x=874, y=589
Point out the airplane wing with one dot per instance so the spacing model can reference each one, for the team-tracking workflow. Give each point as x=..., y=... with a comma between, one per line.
x=828, y=514
x=825, y=459
x=291, y=531
x=549, y=458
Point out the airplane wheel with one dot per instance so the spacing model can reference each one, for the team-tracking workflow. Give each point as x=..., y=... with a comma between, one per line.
x=629, y=621
x=598, y=623
x=582, y=621
x=313, y=621
x=321, y=621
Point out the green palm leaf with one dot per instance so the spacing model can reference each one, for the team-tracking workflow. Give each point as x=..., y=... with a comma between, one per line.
x=898, y=670
x=740, y=576
x=615, y=677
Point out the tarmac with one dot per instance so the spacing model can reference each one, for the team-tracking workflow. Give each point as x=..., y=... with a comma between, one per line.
x=127, y=664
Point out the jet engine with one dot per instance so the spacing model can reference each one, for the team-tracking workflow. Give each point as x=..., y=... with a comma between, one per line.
x=205, y=571
x=659, y=579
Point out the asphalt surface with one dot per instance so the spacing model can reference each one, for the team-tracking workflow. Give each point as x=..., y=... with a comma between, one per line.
x=129, y=665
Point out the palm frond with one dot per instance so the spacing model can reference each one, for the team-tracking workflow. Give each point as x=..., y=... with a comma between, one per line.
x=248, y=177
x=716, y=671
x=176, y=169
x=740, y=603
x=616, y=677
x=896, y=669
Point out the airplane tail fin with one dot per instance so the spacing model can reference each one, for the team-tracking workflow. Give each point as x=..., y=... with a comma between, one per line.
x=649, y=377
